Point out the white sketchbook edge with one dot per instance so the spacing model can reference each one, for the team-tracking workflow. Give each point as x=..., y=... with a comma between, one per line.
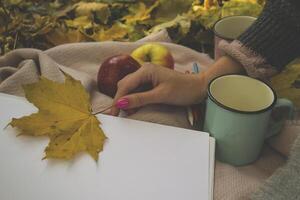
x=211, y=152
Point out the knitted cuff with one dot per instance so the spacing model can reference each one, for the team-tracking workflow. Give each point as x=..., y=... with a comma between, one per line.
x=255, y=65
x=275, y=34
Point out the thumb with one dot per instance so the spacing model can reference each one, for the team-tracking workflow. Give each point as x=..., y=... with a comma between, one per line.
x=139, y=99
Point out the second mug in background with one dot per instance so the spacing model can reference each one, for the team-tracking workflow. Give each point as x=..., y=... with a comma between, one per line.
x=230, y=28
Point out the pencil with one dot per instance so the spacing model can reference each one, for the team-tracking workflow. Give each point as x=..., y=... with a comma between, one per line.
x=196, y=70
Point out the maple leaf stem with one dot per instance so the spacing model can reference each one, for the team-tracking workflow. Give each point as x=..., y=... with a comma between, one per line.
x=6, y=126
x=101, y=111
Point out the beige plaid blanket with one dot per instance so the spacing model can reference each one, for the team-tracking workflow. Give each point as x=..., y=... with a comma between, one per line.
x=82, y=61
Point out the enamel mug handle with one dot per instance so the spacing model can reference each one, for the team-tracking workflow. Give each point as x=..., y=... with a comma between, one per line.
x=278, y=117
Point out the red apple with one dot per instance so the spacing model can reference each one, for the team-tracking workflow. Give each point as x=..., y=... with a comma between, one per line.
x=114, y=69
x=155, y=53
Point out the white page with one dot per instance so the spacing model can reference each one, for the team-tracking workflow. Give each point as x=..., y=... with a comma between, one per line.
x=140, y=161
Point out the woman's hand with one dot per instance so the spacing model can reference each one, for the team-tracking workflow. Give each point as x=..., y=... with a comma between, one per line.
x=169, y=87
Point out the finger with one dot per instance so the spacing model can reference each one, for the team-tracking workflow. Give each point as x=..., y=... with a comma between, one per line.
x=137, y=100
x=128, y=84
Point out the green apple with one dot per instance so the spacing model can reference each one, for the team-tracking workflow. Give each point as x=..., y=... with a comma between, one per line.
x=154, y=53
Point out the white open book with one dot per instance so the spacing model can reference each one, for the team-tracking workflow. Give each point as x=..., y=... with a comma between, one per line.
x=140, y=161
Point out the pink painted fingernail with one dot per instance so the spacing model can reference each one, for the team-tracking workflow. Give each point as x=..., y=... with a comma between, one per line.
x=122, y=103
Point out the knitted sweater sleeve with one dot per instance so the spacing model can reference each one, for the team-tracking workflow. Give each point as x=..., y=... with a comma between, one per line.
x=271, y=42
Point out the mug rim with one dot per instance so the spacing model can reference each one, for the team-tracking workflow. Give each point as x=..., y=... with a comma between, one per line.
x=223, y=37
x=210, y=96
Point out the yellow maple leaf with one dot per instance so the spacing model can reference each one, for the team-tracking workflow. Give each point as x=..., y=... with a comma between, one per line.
x=283, y=83
x=85, y=8
x=65, y=116
x=241, y=7
x=59, y=36
x=78, y=22
x=101, y=10
x=181, y=21
x=140, y=12
x=208, y=3
x=116, y=32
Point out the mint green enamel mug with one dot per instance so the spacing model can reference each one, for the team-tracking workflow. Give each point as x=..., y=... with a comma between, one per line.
x=238, y=116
